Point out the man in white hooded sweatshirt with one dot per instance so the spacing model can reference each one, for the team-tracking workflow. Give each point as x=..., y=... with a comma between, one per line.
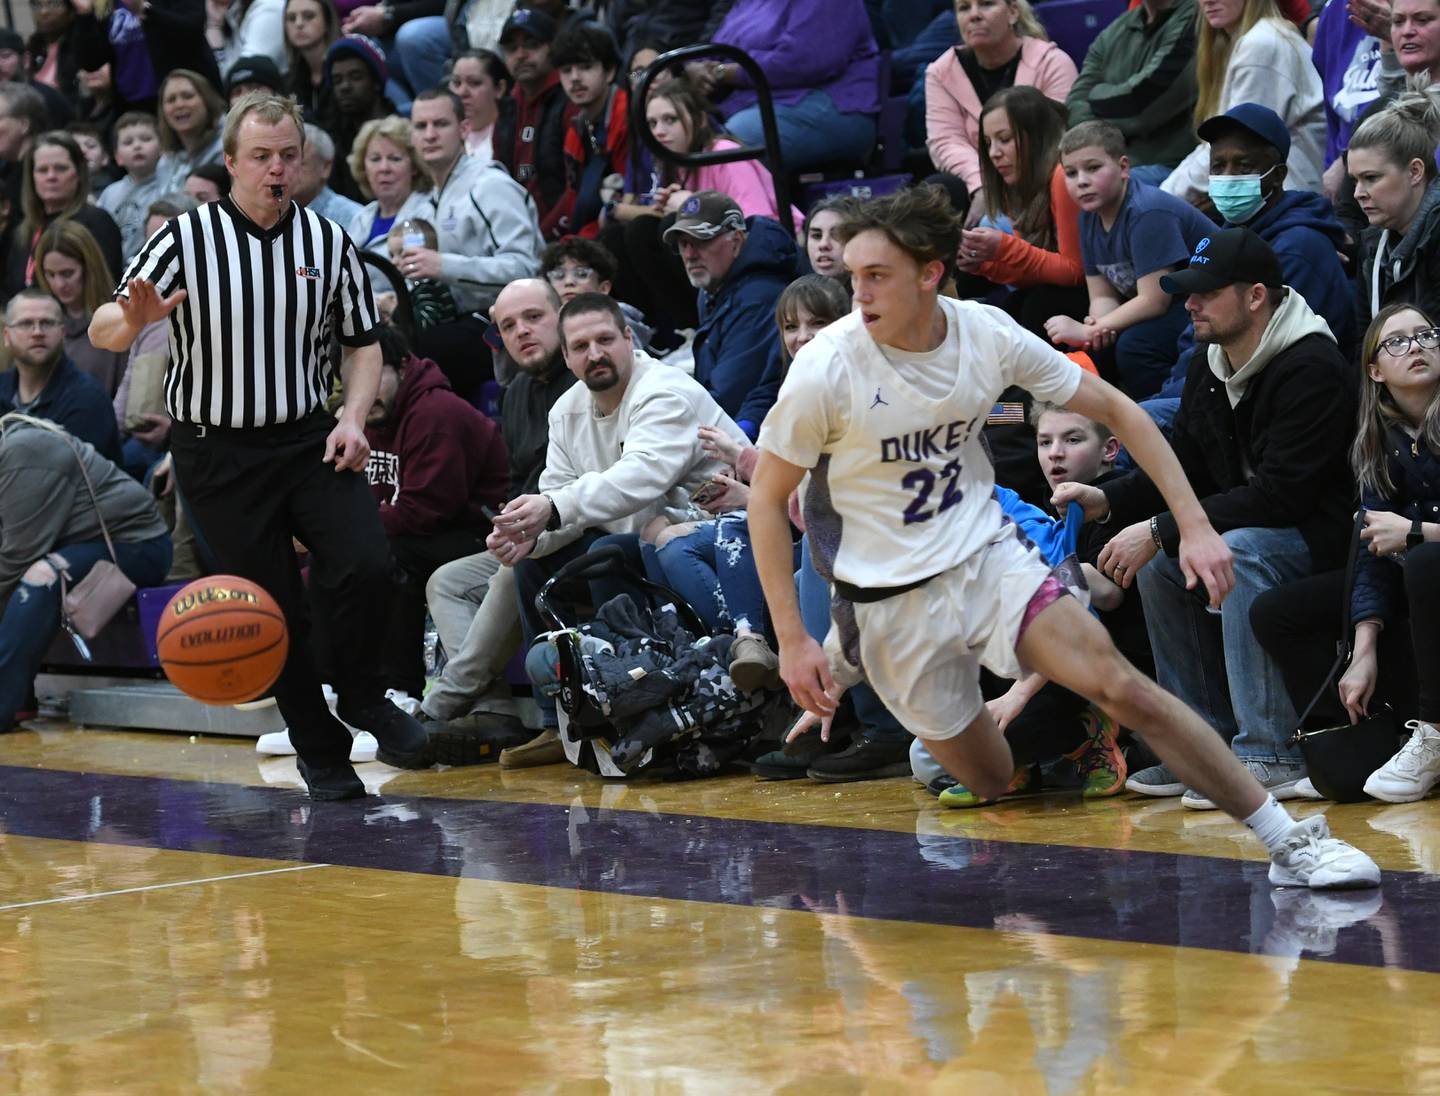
x=1263, y=433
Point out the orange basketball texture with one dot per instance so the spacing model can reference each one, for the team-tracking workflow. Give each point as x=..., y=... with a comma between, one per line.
x=222, y=640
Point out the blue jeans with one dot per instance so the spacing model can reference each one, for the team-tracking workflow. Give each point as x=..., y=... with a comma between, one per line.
x=32, y=615
x=1216, y=664
x=812, y=132
x=814, y=592
x=713, y=569
x=1145, y=353
x=422, y=46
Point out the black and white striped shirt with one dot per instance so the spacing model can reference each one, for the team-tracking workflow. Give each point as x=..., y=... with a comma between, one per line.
x=250, y=344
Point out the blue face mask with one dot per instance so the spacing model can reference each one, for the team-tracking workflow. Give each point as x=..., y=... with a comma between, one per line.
x=1237, y=197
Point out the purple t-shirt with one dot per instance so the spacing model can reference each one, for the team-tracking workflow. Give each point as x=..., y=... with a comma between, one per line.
x=1348, y=61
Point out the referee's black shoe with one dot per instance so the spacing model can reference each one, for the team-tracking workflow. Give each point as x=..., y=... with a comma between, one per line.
x=328, y=782
x=402, y=740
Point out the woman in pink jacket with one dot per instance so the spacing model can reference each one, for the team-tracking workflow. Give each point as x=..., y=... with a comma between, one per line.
x=1004, y=46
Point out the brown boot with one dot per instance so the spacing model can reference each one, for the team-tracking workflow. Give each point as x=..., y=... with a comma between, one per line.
x=544, y=749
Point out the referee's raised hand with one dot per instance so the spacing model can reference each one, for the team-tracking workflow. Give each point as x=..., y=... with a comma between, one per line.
x=142, y=305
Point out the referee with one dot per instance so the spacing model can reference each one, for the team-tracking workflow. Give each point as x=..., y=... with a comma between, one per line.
x=254, y=287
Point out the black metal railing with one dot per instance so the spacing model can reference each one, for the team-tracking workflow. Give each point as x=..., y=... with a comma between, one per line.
x=770, y=153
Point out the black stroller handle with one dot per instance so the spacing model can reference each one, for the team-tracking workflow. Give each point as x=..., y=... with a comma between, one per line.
x=606, y=561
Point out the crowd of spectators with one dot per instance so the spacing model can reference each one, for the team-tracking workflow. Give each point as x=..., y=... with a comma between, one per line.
x=1230, y=209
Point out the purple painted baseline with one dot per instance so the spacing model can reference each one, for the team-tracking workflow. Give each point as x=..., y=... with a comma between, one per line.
x=1102, y=894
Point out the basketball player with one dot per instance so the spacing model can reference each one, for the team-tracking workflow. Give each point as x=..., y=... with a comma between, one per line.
x=884, y=410
x=254, y=285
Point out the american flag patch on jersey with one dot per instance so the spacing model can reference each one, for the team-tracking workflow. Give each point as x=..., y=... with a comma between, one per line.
x=1006, y=414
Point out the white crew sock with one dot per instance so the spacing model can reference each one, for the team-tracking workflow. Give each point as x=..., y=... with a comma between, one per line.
x=1271, y=824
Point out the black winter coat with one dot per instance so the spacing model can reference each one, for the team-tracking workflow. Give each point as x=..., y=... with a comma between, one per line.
x=1379, y=592
x=1278, y=459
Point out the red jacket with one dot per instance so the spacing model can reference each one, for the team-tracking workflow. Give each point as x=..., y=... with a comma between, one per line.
x=561, y=220
x=437, y=460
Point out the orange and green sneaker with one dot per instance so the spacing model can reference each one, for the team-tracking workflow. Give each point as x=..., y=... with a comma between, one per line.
x=1099, y=759
x=1026, y=779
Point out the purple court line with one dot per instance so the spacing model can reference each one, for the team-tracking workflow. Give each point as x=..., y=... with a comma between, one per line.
x=1100, y=894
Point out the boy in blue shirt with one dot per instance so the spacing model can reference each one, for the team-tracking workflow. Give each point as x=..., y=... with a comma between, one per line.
x=1131, y=234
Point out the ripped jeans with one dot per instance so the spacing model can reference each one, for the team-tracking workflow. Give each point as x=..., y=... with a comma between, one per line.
x=32, y=615
x=713, y=568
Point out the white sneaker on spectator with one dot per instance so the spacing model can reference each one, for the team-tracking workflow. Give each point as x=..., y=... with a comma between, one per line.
x=1412, y=772
x=1312, y=858
x=1277, y=778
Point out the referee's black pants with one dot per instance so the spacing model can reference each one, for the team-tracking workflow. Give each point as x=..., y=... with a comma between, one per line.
x=249, y=493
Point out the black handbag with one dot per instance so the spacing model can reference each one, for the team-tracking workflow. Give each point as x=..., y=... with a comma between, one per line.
x=1340, y=759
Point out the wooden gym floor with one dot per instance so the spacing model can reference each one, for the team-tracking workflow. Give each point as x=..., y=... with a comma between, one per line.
x=176, y=917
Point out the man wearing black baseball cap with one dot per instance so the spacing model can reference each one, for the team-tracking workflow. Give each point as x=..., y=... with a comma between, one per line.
x=1263, y=432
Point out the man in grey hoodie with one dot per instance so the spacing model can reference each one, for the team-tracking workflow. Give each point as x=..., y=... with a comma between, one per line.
x=1263, y=432
x=488, y=235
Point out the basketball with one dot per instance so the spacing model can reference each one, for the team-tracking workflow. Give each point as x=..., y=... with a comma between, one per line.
x=222, y=640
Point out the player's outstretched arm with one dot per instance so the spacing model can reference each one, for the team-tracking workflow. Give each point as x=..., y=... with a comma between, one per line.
x=803, y=665
x=116, y=323
x=1204, y=556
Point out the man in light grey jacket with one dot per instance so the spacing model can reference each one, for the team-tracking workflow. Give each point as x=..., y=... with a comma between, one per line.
x=48, y=523
x=488, y=234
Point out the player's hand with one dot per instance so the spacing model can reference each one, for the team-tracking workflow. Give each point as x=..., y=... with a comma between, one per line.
x=421, y=263
x=524, y=517
x=1205, y=558
x=806, y=673
x=735, y=495
x=347, y=448
x=507, y=549
x=1128, y=551
x=806, y=721
x=142, y=305
x=1092, y=500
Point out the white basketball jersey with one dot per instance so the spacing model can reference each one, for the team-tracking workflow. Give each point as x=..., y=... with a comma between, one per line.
x=901, y=488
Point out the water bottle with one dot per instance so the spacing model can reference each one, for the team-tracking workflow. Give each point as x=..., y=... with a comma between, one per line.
x=411, y=234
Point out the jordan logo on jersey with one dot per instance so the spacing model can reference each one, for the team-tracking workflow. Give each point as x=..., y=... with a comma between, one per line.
x=878, y=401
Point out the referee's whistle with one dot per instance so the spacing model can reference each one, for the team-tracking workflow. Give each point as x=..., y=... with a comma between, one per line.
x=277, y=190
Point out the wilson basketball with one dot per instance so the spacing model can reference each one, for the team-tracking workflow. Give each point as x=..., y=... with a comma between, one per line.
x=222, y=640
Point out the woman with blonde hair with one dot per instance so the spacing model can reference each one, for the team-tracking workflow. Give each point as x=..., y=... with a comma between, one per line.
x=1392, y=160
x=191, y=121
x=1248, y=52
x=1004, y=45
x=55, y=184
x=69, y=266
x=387, y=169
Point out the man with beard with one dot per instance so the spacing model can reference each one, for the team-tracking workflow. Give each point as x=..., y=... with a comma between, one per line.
x=45, y=382
x=355, y=74
x=624, y=449
x=530, y=132
x=473, y=600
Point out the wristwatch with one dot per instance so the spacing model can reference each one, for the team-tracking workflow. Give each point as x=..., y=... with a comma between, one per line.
x=1416, y=536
